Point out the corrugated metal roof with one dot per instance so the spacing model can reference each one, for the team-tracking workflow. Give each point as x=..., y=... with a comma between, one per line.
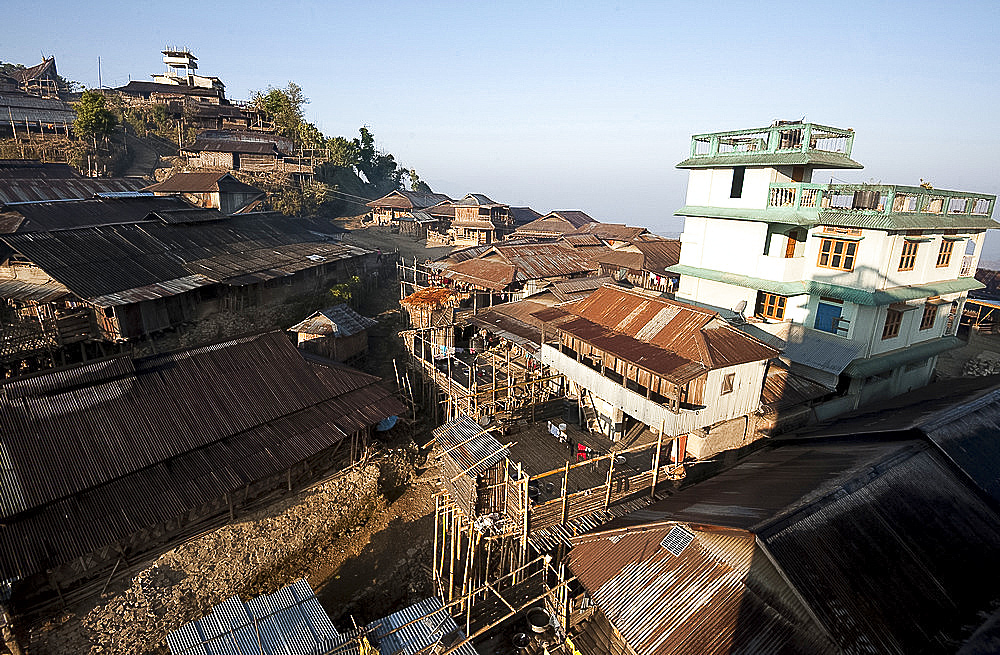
x=470, y=445
x=718, y=594
x=611, y=231
x=403, y=199
x=416, y=628
x=556, y=223
x=542, y=260
x=202, y=182
x=815, y=348
x=41, y=292
x=288, y=622
x=43, y=186
x=817, y=158
x=228, y=145
x=482, y=273
x=74, y=213
x=96, y=452
x=33, y=109
x=862, y=368
x=886, y=541
x=98, y=262
x=784, y=389
x=513, y=321
x=337, y=321
x=672, y=339
x=566, y=290
x=477, y=200
x=844, y=218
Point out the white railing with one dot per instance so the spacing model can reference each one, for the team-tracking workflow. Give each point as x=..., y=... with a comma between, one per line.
x=968, y=270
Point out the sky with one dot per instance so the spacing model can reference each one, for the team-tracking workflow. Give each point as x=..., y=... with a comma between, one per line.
x=576, y=105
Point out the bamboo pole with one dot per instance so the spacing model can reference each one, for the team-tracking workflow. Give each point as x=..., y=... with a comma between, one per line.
x=611, y=471
x=565, y=496
x=656, y=459
x=437, y=510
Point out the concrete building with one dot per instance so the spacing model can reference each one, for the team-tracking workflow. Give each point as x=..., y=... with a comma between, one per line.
x=862, y=283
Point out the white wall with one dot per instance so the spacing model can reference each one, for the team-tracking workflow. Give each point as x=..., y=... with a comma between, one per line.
x=710, y=187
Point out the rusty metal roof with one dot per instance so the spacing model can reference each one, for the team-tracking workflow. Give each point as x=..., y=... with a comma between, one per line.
x=672, y=339
x=612, y=231
x=784, y=389
x=542, y=260
x=513, y=321
x=556, y=223
x=98, y=262
x=676, y=588
x=337, y=321
x=889, y=542
x=41, y=292
x=403, y=199
x=96, y=452
x=484, y=273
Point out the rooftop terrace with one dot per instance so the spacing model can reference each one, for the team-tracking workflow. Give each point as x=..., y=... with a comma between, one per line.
x=790, y=144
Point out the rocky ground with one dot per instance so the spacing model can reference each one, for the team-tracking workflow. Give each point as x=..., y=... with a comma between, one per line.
x=361, y=539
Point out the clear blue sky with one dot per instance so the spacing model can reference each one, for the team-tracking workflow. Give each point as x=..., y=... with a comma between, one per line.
x=575, y=105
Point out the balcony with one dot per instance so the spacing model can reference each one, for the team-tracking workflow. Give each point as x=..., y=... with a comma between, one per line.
x=906, y=203
x=967, y=270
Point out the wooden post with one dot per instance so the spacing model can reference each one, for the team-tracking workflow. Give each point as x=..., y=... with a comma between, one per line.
x=565, y=496
x=524, y=526
x=451, y=561
x=437, y=510
x=611, y=471
x=656, y=458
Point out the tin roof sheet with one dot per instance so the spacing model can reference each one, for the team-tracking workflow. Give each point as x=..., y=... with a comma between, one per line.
x=202, y=182
x=290, y=622
x=482, y=273
x=404, y=199
x=97, y=262
x=887, y=543
x=415, y=629
x=470, y=445
x=93, y=453
x=43, y=186
x=543, y=260
x=75, y=213
x=41, y=292
x=337, y=321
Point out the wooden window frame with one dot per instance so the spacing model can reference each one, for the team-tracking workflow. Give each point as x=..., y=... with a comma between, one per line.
x=944, y=253
x=837, y=254
x=908, y=258
x=849, y=231
x=929, y=317
x=728, y=382
x=893, y=321
x=771, y=305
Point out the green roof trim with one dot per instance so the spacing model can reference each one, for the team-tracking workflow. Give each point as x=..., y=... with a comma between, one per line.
x=817, y=158
x=847, y=294
x=800, y=218
x=863, y=368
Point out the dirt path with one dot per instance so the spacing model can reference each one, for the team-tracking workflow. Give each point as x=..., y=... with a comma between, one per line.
x=144, y=158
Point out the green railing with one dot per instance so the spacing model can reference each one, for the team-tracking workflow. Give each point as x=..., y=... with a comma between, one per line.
x=780, y=137
x=879, y=198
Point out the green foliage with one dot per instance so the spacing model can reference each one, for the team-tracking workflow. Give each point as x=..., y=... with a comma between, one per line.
x=304, y=200
x=93, y=119
x=283, y=107
x=416, y=184
x=348, y=292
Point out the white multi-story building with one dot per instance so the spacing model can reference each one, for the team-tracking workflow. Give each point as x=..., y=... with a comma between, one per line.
x=863, y=283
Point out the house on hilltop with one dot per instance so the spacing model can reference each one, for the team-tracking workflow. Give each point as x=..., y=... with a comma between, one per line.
x=479, y=220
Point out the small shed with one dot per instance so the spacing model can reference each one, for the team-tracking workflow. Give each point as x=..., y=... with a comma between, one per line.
x=474, y=467
x=338, y=333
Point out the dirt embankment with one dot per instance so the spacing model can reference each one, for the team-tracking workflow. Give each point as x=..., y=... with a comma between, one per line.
x=361, y=539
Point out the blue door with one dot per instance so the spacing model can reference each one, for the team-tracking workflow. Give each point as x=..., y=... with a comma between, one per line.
x=827, y=317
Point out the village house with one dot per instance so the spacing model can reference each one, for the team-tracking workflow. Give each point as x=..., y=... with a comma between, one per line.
x=31, y=102
x=210, y=190
x=643, y=262
x=212, y=150
x=338, y=333
x=613, y=234
x=877, y=533
x=479, y=220
x=389, y=208
x=152, y=449
x=863, y=284
x=637, y=361
x=553, y=224
x=135, y=266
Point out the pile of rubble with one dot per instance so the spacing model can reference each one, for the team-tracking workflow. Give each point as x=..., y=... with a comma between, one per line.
x=258, y=554
x=986, y=363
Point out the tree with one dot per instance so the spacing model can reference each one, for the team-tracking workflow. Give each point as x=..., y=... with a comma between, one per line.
x=93, y=118
x=416, y=184
x=283, y=107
